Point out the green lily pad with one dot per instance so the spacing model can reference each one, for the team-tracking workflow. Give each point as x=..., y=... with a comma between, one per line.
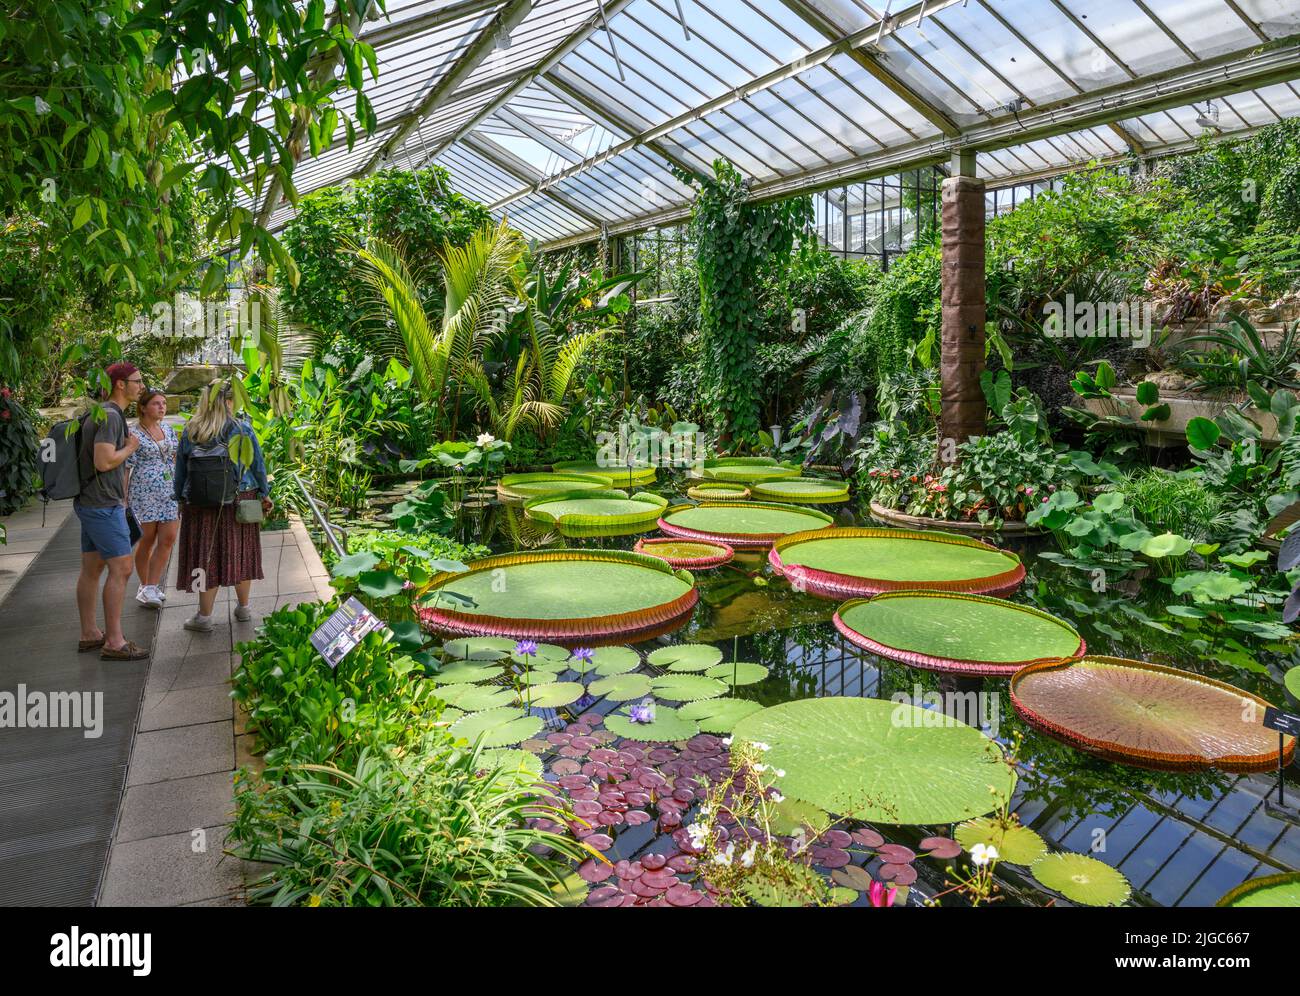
x=1273, y=890
x=450, y=714
x=1292, y=681
x=503, y=727
x=881, y=761
x=479, y=648
x=687, y=687
x=553, y=694
x=737, y=673
x=621, y=687
x=549, y=666
x=477, y=698
x=1017, y=844
x=686, y=657
x=466, y=671
x=1081, y=879
x=718, y=715
x=668, y=726
x=614, y=660
x=789, y=816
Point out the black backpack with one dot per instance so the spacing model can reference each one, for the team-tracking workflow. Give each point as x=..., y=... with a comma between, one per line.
x=212, y=476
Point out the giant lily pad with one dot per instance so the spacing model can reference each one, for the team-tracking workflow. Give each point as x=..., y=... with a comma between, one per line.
x=1015, y=843
x=802, y=490
x=686, y=687
x=1273, y=890
x=747, y=470
x=576, y=597
x=668, y=725
x=691, y=555
x=718, y=491
x=881, y=761
x=1082, y=879
x=596, y=508
x=741, y=524
x=618, y=476
x=955, y=632
x=525, y=486
x=1147, y=715
x=719, y=715
x=686, y=657
x=864, y=561
x=502, y=727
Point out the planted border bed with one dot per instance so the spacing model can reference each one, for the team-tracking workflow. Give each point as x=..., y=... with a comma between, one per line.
x=1147, y=715
x=570, y=597
x=956, y=633
x=691, y=555
x=861, y=561
x=740, y=525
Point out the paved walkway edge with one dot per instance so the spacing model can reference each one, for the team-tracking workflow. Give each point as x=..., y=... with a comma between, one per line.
x=179, y=799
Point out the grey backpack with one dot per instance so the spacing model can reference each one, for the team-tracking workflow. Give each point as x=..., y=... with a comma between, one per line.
x=61, y=460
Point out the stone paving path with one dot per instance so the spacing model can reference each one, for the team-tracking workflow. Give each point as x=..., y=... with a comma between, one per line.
x=138, y=815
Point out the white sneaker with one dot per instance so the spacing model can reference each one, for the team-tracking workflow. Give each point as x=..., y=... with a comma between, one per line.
x=142, y=594
x=243, y=613
x=199, y=624
x=158, y=590
x=152, y=598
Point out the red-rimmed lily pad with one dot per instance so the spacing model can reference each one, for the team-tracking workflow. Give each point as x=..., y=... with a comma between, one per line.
x=1148, y=715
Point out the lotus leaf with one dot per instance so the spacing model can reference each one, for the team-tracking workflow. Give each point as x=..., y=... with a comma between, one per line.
x=880, y=761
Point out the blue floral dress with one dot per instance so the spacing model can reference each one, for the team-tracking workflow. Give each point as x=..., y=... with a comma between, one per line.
x=152, y=466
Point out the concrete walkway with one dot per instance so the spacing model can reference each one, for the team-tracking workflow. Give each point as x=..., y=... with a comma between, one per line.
x=136, y=815
x=190, y=740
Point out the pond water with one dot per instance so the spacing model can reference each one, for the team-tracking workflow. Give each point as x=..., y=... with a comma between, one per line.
x=1180, y=839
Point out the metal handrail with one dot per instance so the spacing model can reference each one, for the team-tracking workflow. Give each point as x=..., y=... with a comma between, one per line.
x=332, y=533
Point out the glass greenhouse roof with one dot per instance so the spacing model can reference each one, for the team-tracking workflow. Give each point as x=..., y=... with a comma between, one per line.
x=573, y=117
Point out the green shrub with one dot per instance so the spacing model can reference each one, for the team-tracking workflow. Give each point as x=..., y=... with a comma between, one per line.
x=1173, y=503
x=19, y=451
x=435, y=825
x=302, y=709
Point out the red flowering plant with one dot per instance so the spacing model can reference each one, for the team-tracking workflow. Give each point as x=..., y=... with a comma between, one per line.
x=891, y=463
x=19, y=452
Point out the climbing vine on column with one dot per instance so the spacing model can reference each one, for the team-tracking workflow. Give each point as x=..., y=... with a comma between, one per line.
x=738, y=243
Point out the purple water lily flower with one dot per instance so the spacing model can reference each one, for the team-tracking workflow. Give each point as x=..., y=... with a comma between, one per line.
x=583, y=654
x=526, y=647
x=643, y=713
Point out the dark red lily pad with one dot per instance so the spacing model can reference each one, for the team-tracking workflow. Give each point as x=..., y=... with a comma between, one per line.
x=895, y=854
x=593, y=871
x=867, y=837
x=683, y=895
x=606, y=895
x=940, y=847
x=898, y=874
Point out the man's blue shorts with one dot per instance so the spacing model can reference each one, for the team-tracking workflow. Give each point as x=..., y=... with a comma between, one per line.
x=104, y=531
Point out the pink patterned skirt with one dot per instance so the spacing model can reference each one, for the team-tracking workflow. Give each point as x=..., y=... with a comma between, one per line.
x=211, y=541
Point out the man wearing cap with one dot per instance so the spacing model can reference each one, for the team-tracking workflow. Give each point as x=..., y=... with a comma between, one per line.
x=101, y=507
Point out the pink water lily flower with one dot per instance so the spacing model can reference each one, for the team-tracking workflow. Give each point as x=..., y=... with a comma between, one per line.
x=880, y=895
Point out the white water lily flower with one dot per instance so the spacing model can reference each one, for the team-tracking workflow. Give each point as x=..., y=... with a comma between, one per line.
x=485, y=439
x=747, y=859
x=777, y=797
x=723, y=857
x=698, y=833
x=982, y=854
x=726, y=741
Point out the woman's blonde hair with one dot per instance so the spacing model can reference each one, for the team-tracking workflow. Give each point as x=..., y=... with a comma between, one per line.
x=212, y=415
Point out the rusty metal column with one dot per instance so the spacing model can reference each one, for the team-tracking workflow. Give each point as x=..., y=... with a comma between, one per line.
x=962, y=357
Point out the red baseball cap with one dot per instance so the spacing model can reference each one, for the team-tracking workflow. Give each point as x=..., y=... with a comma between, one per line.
x=122, y=370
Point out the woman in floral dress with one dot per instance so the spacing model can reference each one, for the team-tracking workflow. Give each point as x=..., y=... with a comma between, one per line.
x=151, y=496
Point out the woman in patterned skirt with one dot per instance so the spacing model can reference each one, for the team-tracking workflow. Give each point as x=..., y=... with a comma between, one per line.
x=215, y=549
x=151, y=496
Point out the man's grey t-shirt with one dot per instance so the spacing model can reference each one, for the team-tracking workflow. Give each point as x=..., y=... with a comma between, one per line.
x=108, y=489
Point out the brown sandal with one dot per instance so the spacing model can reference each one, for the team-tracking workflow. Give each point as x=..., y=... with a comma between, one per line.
x=85, y=646
x=126, y=652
